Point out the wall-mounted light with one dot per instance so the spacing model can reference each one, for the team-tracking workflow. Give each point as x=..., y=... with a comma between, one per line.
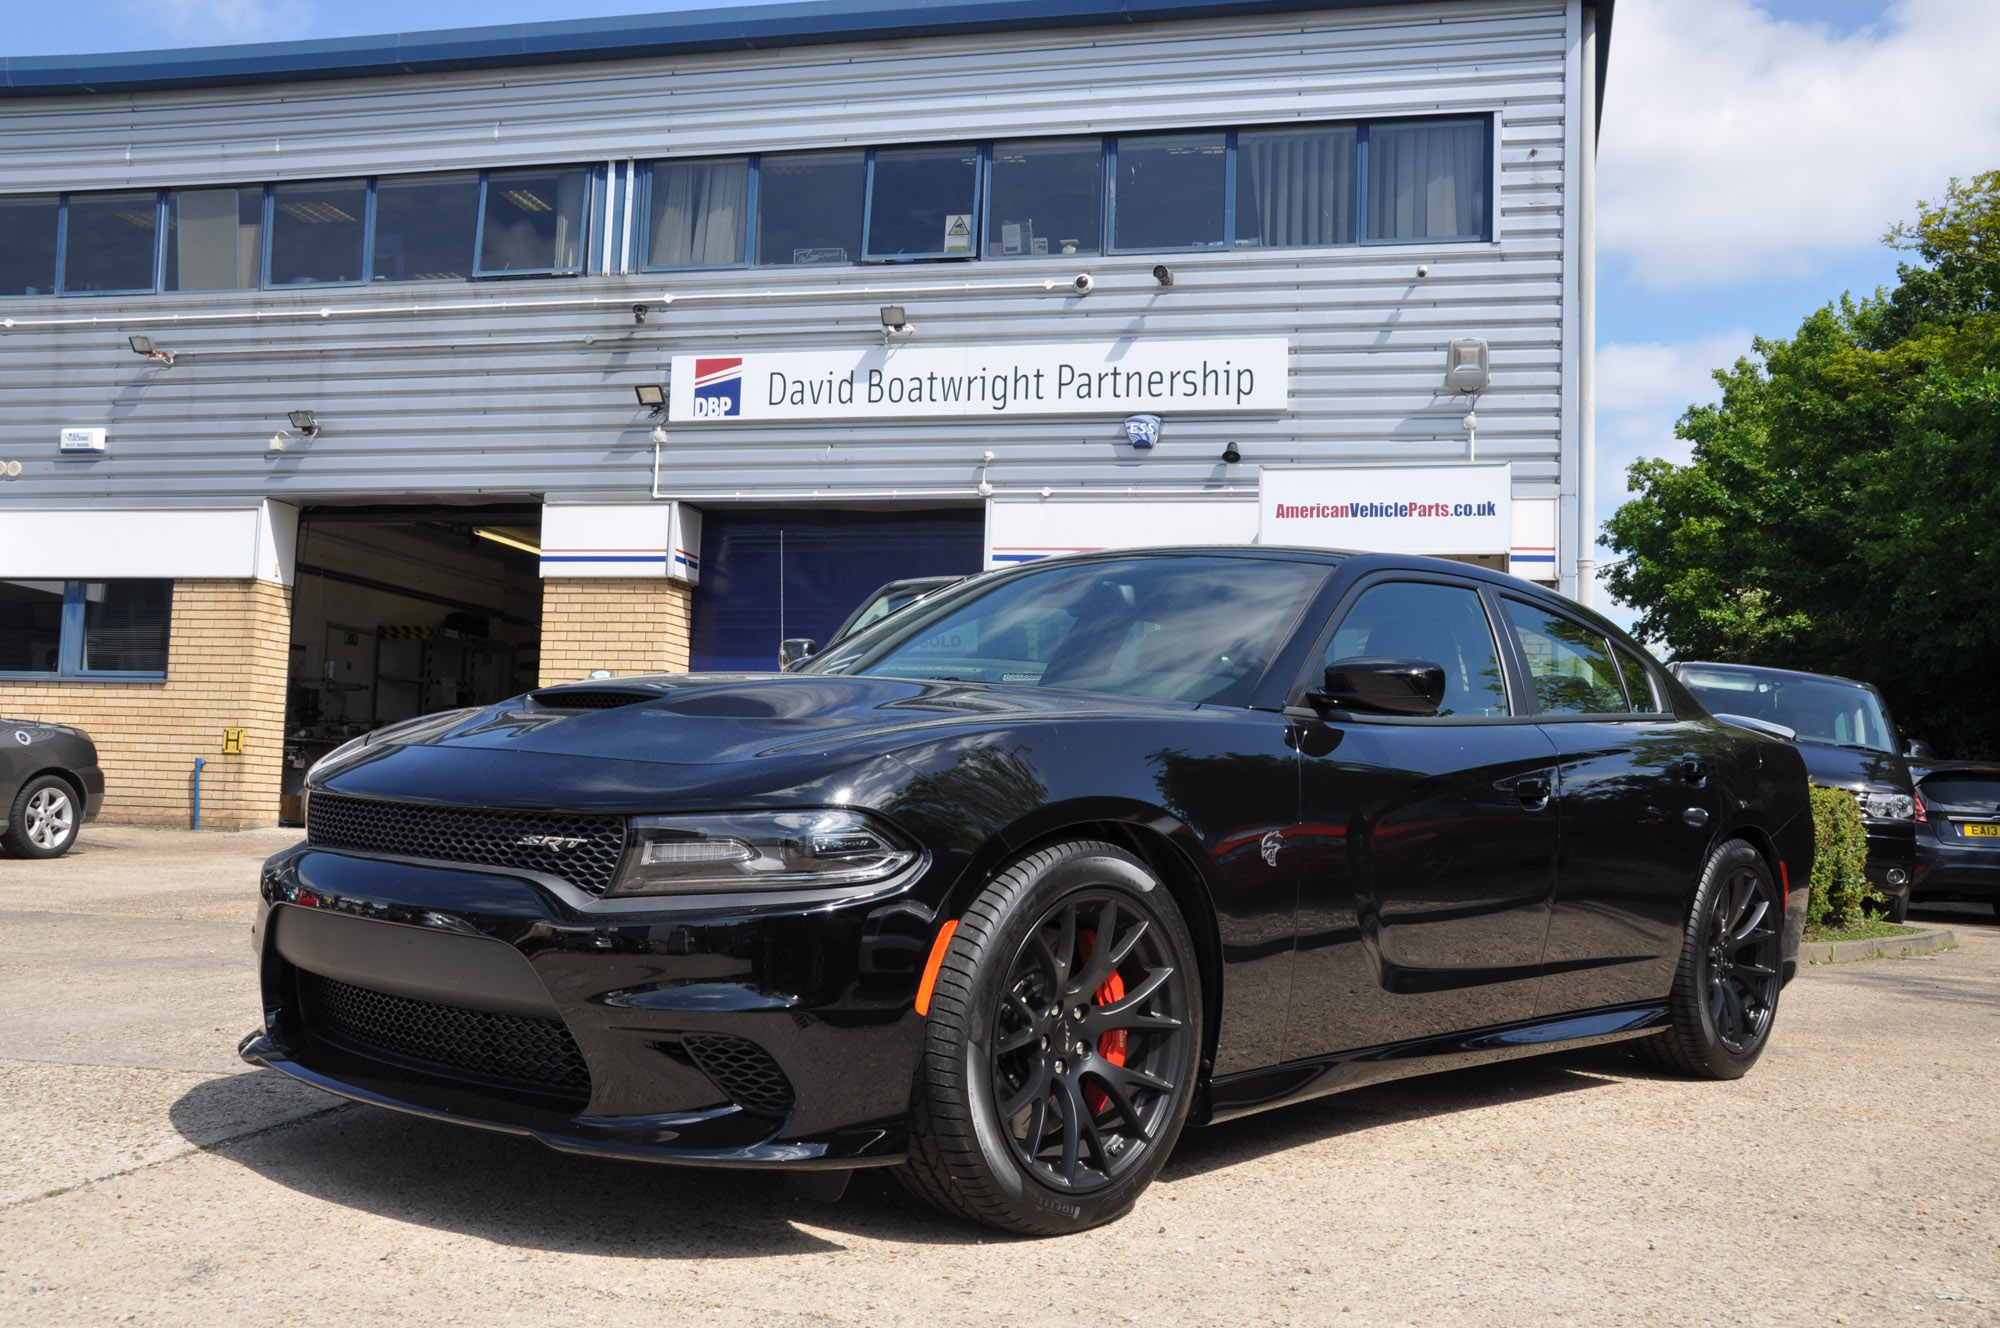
x=652, y=396
x=1163, y=274
x=305, y=422
x=144, y=346
x=1467, y=366
x=895, y=323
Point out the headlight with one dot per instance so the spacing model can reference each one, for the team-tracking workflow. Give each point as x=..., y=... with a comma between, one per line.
x=400, y=734
x=1887, y=806
x=760, y=851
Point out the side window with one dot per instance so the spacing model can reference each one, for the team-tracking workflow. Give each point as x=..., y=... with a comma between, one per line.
x=1638, y=684
x=1443, y=624
x=1569, y=664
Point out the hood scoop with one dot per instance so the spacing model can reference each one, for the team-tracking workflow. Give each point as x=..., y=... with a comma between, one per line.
x=589, y=698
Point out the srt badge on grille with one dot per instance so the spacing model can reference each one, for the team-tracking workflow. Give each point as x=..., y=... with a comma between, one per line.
x=556, y=842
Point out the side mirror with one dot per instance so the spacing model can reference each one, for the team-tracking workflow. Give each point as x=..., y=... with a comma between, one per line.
x=1917, y=749
x=796, y=650
x=1385, y=684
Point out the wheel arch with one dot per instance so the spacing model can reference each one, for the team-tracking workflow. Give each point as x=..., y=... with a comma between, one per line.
x=67, y=776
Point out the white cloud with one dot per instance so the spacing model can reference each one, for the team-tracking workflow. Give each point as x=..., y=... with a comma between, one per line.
x=1642, y=388
x=1739, y=145
x=213, y=22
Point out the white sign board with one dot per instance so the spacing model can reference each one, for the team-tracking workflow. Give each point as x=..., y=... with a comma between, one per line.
x=1388, y=509
x=621, y=540
x=1021, y=530
x=238, y=543
x=82, y=440
x=908, y=382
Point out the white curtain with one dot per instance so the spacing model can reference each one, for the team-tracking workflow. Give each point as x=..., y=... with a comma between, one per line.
x=1295, y=187
x=698, y=213
x=1426, y=181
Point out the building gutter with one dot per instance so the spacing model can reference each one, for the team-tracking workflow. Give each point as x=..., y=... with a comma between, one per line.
x=1586, y=329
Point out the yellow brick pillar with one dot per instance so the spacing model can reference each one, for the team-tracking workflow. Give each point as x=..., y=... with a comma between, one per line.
x=226, y=662
x=624, y=624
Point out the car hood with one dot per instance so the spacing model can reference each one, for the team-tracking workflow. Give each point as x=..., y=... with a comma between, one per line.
x=712, y=719
x=1852, y=768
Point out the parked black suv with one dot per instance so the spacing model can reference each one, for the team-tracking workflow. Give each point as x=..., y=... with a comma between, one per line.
x=1849, y=742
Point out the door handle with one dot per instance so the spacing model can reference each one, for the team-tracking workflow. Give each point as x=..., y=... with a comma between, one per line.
x=1533, y=791
x=1694, y=773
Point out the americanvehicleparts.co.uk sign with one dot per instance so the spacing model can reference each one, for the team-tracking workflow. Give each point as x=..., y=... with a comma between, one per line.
x=1425, y=509
x=1248, y=375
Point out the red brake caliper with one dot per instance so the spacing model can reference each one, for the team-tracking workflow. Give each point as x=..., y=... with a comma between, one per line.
x=1111, y=1046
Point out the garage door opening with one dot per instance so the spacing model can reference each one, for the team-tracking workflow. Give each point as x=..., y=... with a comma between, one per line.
x=406, y=611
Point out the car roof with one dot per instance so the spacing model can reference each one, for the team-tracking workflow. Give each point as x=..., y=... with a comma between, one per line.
x=1761, y=668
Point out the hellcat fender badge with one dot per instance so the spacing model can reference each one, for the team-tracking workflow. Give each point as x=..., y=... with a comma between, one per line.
x=1270, y=846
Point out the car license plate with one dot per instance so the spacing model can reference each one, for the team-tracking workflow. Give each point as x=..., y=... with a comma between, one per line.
x=1980, y=829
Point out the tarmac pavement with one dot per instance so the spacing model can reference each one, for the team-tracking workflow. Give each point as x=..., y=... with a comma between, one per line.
x=148, y=1177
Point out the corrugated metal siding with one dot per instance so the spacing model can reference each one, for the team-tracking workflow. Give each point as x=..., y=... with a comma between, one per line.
x=538, y=401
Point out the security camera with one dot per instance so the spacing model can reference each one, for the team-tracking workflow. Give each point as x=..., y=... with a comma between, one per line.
x=638, y=313
x=1422, y=272
x=1163, y=274
x=1230, y=455
x=1084, y=284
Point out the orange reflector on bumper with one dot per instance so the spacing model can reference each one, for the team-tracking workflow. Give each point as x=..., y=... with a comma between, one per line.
x=932, y=965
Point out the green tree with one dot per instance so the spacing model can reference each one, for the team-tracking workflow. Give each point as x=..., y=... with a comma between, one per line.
x=1841, y=512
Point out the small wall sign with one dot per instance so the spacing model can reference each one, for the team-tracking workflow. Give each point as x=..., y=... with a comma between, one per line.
x=90, y=441
x=232, y=742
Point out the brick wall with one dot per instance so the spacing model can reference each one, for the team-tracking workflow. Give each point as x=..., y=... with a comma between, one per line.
x=625, y=624
x=226, y=658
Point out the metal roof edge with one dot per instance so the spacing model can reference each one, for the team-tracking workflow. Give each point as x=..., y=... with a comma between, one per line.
x=625, y=37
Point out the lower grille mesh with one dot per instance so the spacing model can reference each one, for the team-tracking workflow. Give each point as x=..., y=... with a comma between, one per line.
x=461, y=1043
x=743, y=1070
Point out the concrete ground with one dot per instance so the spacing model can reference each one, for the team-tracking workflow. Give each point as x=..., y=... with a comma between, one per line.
x=147, y=1177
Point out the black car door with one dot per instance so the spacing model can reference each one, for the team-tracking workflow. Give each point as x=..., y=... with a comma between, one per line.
x=1637, y=810
x=1427, y=846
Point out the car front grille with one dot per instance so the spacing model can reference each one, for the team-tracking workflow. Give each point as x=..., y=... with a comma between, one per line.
x=582, y=849
x=450, y=1040
x=743, y=1070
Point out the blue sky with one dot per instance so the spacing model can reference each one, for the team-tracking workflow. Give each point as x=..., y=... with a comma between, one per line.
x=1753, y=153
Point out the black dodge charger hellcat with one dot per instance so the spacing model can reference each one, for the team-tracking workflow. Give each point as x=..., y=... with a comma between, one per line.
x=1009, y=887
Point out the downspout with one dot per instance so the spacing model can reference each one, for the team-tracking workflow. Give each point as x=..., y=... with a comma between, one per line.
x=1586, y=329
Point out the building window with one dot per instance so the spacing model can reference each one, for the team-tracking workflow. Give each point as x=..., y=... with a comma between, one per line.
x=1295, y=187
x=109, y=242
x=1047, y=198
x=316, y=232
x=1427, y=180
x=1169, y=191
x=214, y=239
x=922, y=203
x=532, y=222
x=809, y=207
x=698, y=213
x=85, y=629
x=28, y=244
x=425, y=227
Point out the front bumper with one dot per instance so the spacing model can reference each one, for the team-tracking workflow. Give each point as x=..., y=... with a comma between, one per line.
x=815, y=1002
x=1892, y=857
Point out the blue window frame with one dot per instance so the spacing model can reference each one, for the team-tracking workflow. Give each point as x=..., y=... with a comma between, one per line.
x=533, y=222
x=109, y=244
x=106, y=630
x=923, y=202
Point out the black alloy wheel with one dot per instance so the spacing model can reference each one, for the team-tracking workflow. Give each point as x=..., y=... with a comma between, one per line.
x=1725, y=993
x=1061, y=1046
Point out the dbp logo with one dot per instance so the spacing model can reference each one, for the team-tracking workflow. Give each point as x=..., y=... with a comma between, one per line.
x=718, y=389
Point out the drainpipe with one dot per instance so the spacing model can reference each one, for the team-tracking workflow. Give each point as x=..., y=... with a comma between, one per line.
x=1586, y=329
x=199, y=762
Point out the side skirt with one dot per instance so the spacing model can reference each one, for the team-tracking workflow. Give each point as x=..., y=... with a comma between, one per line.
x=1255, y=1090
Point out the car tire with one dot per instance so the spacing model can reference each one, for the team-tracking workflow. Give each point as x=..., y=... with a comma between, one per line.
x=1897, y=908
x=44, y=819
x=1011, y=1125
x=1725, y=993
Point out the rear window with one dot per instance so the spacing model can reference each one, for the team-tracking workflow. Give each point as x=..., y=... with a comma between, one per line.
x=1981, y=791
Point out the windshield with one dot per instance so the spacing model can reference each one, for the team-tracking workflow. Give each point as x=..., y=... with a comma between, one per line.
x=1844, y=714
x=1170, y=628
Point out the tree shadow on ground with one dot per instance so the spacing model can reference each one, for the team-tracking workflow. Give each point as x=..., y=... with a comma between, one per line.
x=515, y=1192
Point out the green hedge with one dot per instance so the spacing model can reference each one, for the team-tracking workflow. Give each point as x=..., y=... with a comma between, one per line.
x=1840, y=890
